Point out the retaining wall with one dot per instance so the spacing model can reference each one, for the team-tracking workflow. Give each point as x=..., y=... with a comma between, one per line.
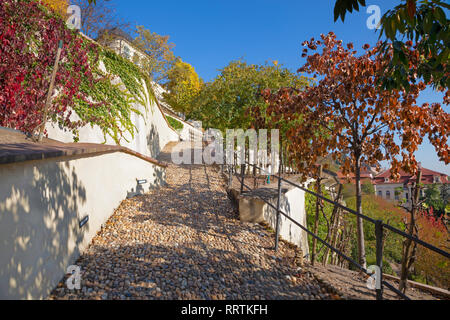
x=42, y=203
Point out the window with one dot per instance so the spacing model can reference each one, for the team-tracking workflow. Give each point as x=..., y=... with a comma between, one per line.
x=436, y=179
x=380, y=193
x=407, y=197
x=126, y=52
x=397, y=196
x=388, y=195
x=386, y=179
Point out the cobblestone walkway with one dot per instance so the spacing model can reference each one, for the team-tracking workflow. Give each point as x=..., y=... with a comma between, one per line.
x=183, y=241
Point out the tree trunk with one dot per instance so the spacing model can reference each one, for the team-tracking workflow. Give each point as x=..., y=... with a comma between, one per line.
x=359, y=220
x=407, y=257
x=316, y=218
x=334, y=225
x=50, y=92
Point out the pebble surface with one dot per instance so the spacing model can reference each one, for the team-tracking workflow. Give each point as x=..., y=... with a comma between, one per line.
x=183, y=241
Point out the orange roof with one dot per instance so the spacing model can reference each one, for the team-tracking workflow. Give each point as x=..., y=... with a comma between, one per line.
x=407, y=178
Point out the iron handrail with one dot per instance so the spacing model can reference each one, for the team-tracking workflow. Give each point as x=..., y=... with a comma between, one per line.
x=379, y=225
x=387, y=226
x=310, y=232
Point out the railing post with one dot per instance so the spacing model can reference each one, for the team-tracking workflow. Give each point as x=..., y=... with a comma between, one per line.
x=242, y=177
x=277, y=226
x=379, y=256
x=316, y=218
x=254, y=176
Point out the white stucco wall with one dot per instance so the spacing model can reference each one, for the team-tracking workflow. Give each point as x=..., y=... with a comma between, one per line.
x=185, y=133
x=253, y=209
x=121, y=46
x=293, y=204
x=41, y=205
x=383, y=188
x=153, y=133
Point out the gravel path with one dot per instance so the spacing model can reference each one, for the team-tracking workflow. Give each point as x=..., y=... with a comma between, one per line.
x=183, y=241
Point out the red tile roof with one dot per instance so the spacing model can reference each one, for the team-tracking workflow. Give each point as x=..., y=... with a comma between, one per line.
x=365, y=174
x=407, y=178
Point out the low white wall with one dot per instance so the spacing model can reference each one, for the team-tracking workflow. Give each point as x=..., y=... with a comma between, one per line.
x=293, y=204
x=41, y=205
x=185, y=133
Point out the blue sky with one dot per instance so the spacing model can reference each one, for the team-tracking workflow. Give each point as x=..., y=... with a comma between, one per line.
x=209, y=34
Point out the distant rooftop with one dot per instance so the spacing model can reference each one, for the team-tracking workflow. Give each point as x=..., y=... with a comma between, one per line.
x=428, y=177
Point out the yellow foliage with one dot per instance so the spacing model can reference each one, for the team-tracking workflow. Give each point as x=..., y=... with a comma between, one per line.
x=59, y=6
x=183, y=85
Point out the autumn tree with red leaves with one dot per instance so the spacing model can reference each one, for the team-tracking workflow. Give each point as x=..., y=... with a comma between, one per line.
x=348, y=115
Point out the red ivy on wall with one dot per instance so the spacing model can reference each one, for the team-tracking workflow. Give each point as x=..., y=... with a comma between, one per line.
x=29, y=37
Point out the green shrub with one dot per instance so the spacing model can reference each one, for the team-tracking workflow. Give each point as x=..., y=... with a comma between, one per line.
x=373, y=207
x=378, y=209
x=367, y=187
x=174, y=123
x=310, y=206
x=348, y=191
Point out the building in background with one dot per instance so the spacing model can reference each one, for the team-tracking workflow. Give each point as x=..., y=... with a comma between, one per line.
x=387, y=188
x=121, y=43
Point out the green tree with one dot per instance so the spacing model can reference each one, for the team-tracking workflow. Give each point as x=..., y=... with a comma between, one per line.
x=367, y=187
x=183, y=86
x=226, y=102
x=437, y=197
x=160, y=57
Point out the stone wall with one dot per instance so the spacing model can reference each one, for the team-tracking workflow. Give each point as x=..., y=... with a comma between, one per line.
x=42, y=203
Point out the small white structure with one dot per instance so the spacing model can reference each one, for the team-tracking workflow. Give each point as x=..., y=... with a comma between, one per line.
x=119, y=41
x=253, y=209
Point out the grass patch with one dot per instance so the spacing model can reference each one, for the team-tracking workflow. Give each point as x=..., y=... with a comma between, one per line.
x=174, y=123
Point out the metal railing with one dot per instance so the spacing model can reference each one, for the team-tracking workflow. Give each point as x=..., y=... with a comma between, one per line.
x=378, y=225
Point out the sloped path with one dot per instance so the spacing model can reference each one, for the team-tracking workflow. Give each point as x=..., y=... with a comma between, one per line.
x=183, y=241
x=352, y=285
